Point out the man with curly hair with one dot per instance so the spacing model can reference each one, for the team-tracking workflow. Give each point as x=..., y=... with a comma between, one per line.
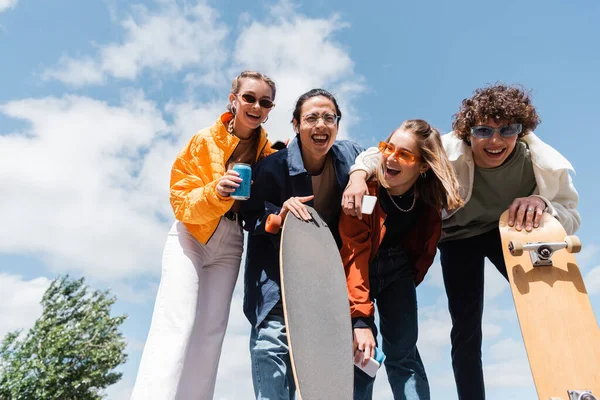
x=500, y=163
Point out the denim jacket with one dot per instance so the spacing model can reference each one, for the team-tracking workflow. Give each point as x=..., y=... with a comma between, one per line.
x=276, y=179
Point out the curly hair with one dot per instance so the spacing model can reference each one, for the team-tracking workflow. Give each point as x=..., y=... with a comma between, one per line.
x=498, y=102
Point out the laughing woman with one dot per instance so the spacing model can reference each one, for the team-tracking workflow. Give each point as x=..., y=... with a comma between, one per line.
x=312, y=169
x=501, y=164
x=386, y=254
x=202, y=255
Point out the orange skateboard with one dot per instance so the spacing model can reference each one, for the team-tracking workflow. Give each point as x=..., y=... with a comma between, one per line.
x=557, y=322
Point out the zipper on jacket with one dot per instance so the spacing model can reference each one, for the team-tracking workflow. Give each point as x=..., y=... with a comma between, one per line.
x=228, y=156
x=379, y=239
x=380, y=230
x=261, y=150
x=213, y=232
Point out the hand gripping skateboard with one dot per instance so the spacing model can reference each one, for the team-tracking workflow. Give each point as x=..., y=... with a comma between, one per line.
x=557, y=322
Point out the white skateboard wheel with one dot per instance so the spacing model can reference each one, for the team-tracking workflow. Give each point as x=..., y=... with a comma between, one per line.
x=515, y=247
x=573, y=244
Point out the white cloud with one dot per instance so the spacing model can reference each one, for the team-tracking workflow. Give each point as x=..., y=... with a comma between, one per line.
x=97, y=174
x=132, y=292
x=6, y=4
x=592, y=281
x=299, y=53
x=434, y=330
x=507, y=374
x=507, y=349
x=587, y=255
x=234, y=379
x=495, y=283
x=120, y=390
x=81, y=197
x=434, y=276
x=20, y=305
x=76, y=72
x=168, y=39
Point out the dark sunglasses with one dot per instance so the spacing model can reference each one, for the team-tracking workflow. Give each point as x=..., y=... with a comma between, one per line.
x=250, y=99
x=485, y=132
x=401, y=155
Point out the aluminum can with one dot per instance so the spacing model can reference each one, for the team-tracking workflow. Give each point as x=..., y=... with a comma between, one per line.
x=242, y=192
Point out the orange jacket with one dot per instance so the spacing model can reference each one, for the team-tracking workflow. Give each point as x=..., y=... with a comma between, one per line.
x=361, y=240
x=196, y=172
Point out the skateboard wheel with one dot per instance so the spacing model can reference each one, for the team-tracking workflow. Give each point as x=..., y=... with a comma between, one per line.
x=273, y=224
x=573, y=244
x=515, y=247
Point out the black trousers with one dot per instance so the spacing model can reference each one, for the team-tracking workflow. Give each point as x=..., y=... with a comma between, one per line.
x=463, y=270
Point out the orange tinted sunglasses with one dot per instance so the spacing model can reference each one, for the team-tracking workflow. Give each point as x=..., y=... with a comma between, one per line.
x=401, y=155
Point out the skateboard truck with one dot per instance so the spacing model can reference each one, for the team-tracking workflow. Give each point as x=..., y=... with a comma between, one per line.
x=578, y=395
x=581, y=395
x=541, y=252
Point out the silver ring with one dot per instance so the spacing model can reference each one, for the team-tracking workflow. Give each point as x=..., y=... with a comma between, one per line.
x=530, y=209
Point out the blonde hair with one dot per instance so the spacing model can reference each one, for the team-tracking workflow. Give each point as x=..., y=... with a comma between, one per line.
x=237, y=82
x=439, y=188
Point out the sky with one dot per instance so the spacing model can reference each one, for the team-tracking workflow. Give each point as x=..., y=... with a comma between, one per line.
x=97, y=98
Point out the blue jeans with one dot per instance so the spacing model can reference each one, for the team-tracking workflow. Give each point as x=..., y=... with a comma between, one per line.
x=272, y=375
x=463, y=270
x=392, y=287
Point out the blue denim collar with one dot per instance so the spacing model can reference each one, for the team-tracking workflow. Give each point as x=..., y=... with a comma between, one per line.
x=294, y=156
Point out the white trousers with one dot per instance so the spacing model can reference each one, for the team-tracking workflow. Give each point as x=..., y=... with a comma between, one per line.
x=182, y=351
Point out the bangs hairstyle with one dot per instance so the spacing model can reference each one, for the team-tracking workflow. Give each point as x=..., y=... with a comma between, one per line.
x=440, y=187
x=498, y=102
x=237, y=83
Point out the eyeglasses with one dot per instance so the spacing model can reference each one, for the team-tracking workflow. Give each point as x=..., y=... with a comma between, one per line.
x=250, y=99
x=401, y=155
x=328, y=119
x=485, y=132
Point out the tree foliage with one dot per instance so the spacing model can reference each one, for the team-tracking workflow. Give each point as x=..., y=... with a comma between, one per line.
x=71, y=351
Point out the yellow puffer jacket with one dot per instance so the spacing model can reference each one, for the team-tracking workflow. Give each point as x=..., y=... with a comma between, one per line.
x=195, y=175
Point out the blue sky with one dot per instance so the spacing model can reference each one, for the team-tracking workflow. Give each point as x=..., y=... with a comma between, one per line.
x=97, y=98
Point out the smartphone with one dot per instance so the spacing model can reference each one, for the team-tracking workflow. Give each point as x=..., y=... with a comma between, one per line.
x=368, y=204
x=373, y=364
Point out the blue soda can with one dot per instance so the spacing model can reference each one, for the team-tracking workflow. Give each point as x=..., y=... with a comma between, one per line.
x=242, y=192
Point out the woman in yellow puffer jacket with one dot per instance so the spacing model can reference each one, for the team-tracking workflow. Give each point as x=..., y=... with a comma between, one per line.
x=202, y=255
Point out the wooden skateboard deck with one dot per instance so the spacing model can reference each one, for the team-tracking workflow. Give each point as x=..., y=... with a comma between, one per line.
x=316, y=308
x=557, y=322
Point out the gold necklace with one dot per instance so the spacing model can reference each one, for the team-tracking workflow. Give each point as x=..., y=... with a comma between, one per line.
x=400, y=208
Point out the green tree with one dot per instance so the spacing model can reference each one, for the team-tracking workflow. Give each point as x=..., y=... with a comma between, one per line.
x=71, y=351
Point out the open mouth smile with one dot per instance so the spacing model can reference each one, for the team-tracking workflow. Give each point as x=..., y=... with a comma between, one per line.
x=320, y=139
x=253, y=116
x=391, y=172
x=495, y=153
